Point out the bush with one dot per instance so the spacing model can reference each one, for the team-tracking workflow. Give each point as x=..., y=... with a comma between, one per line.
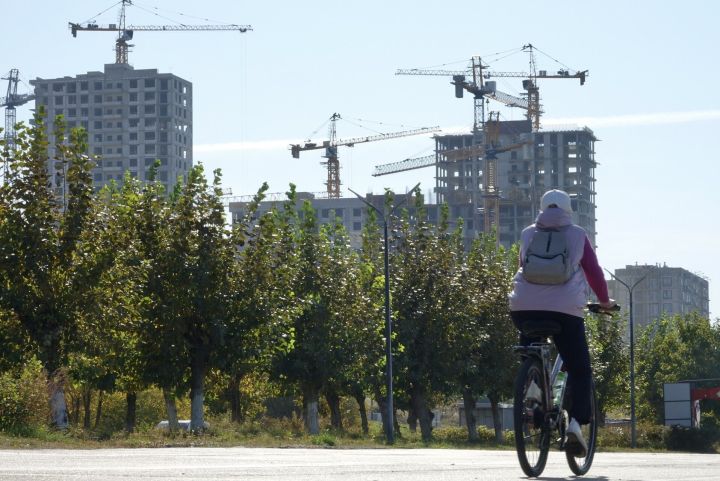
x=701, y=440
x=23, y=400
x=149, y=411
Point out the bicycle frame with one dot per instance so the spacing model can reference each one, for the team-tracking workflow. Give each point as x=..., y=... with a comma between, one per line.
x=541, y=351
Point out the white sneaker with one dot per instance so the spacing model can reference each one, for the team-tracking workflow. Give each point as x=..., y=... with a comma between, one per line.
x=534, y=392
x=576, y=444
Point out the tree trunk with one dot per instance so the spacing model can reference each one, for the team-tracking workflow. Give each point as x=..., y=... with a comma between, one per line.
x=310, y=411
x=87, y=400
x=197, y=394
x=497, y=420
x=131, y=412
x=98, y=411
x=360, y=399
x=396, y=424
x=58, y=406
x=382, y=406
x=412, y=420
x=470, y=420
x=601, y=417
x=171, y=409
x=74, y=411
x=333, y=401
x=234, y=394
x=419, y=405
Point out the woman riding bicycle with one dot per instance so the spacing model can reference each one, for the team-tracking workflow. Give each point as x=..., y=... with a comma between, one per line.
x=562, y=301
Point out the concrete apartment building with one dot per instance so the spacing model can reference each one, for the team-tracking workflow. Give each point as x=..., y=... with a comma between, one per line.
x=563, y=159
x=665, y=290
x=132, y=117
x=548, y=159
x=350, y=210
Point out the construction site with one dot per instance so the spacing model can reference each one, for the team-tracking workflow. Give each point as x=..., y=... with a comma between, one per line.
x=490, y=176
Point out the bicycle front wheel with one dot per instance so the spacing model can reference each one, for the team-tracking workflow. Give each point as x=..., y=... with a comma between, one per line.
x=581, y=466
x=532, y=432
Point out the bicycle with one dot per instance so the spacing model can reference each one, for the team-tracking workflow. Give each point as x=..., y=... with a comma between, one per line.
x=541, y=407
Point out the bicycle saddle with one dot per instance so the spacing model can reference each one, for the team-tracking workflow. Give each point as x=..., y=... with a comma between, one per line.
x=541, y=328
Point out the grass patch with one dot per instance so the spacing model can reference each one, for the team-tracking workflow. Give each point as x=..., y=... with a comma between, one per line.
x=288, y=433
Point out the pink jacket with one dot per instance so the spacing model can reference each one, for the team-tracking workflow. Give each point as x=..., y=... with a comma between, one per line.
x=571, y=297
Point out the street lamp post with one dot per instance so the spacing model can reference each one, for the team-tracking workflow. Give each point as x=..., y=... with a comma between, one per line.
x=633, y=420
x=389, y=428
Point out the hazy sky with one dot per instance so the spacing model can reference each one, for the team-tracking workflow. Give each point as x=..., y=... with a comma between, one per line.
x=651, y=97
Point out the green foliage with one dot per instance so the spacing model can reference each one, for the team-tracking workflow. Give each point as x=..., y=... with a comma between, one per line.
x=673, y=349
x=23, y=400
x=490, y=272
x=17, y=347
x=38, y=236
x=150, y=411
x=703, y=440
x=426, y=298
x=610, y=363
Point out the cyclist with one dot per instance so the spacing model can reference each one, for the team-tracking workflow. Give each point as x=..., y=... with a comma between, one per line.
x=564, y=303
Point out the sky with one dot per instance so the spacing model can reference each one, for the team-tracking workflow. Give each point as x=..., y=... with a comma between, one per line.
x=651, y=95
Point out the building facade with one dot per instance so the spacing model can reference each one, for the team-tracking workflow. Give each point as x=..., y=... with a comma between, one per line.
x=133, y=118
x=351, y=211
x=552, y=159
x=665, y=290
x=556, y=159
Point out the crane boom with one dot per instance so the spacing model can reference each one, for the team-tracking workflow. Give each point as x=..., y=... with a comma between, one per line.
x=297, y=148
x=126, y=33
x=92, y=27
x=404, y=165
x=331, y=145
x=488, y=74
x=450, y=155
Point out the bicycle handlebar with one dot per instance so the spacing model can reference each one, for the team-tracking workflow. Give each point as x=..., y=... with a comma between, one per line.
x=598, y=309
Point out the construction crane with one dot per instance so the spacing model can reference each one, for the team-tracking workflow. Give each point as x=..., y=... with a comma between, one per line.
x=125, y=33
x=331, y=154
x=443, y=156
x=482, y=90
x=11, y=100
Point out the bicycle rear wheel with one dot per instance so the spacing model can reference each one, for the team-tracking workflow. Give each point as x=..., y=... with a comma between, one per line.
x=581, y=466
x=532, y=433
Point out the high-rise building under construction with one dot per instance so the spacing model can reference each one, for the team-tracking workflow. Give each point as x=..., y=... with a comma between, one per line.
x=132, y=117
x=561, y=159
x=547, y=159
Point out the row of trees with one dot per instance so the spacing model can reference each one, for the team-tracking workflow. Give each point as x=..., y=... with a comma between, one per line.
x=134, y=287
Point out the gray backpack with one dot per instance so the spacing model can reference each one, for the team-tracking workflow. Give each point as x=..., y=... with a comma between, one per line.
x=547, y=260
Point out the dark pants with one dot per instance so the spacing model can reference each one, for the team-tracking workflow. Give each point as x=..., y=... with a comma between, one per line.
x=572, y=346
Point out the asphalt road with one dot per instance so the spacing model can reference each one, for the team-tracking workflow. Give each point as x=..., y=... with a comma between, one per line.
x=217, y=464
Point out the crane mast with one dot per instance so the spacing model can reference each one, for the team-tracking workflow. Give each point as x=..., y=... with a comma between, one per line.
x=331, y=150
x=11, y=100
x=125, y=33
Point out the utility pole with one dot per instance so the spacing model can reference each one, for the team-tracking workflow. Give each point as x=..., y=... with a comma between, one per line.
x=384, y=217
x=633, y=420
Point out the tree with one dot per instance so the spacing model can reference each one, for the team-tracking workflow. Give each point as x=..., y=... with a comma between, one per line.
x=326, y=292
x=425, y=294
x=371, y=374
x=109, y=261
x=484, y=335
x=610, y=363
x=672, y=349
x=38, y=238
x=263, y=302
x=198, y=265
